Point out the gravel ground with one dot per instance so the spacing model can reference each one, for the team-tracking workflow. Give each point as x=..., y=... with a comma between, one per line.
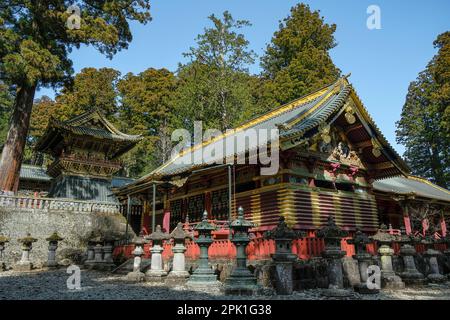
x=51, y=285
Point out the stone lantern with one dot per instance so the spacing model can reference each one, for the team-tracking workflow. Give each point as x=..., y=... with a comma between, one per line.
x=203, y=277
x=108, y=246
x=283, y=256
x=446, y=241
x=156, y=272
x=97, y=248
x=178, y=275
x=360, y=240
x=388, y=277
x=52, y=246
x=332, y=236
x=136, y=275
x=27, y=244
x=241, y=281
x=410, y=274
x=3, y=241
x=431, y=255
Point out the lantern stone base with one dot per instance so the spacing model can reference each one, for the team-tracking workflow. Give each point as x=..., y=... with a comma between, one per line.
x=241, y=284
x=177, y=278
x=436, y=278
x=23, y=266
x=155, y=276
x=413, y=278
x=389, y=280
x=135, y=276
x=335, y=292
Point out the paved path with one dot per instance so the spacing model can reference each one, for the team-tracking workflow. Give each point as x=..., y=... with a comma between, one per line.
x=99, y=285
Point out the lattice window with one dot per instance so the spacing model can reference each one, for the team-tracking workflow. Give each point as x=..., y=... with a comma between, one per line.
x=219, y=204
x=176, y=213
x=195, y=207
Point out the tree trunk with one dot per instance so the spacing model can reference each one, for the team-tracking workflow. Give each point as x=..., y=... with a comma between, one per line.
x=12, y=154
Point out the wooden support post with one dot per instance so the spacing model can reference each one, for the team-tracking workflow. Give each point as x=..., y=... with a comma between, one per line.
x=154, y=207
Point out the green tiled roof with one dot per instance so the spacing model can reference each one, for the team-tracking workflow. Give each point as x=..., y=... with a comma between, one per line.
x=412, y=185
x=292, y=120
x=36, y=173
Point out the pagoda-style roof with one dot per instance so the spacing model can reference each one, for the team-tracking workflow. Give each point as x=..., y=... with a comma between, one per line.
x=299, y=120
x=92, y=125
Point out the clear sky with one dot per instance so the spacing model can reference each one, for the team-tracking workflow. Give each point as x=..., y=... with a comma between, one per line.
x=382, y=62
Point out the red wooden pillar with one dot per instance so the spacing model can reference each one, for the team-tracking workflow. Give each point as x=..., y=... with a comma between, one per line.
x=208, y=205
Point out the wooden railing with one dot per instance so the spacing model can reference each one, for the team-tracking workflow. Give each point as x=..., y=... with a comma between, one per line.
x=21, y=202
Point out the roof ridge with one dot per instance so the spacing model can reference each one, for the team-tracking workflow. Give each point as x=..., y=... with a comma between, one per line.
x=413, y=177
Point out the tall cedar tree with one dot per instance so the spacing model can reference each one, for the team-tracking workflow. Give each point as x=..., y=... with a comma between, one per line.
x=297, y=60
x=214, y=83
x=147, y=109
x=34, y=51
x=424, y=126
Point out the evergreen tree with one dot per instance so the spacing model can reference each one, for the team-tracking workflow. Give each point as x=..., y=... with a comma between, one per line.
x=424, y=127
x=214, y=83
x=297, y=60
x=147, y=109
x=36, y=38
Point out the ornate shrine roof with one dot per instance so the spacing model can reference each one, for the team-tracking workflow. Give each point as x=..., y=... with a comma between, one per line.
x=299, y=120
x=92, y=124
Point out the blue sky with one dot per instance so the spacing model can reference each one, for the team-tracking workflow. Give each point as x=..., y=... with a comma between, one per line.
x=382, y=62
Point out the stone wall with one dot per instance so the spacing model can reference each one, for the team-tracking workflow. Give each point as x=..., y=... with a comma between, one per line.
x=74, y=226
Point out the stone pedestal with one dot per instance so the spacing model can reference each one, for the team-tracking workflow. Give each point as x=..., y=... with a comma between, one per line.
x=178, y=274
x=384, y=239
x=156, y=273
x=434, y=275
x=333, y=254
x=410, y=274
x=360, y=240
x=136, y=275
x=364, y=261
x=25, y=264
x=241, y=281
x=203, y=278
x=52, y=246
x=283, y=257
x=389, y=279
x=89, y=255
x=108, y=262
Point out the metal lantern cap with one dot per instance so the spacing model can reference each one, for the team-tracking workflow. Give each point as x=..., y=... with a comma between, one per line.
x=240, y=221
x=204, y=225
x=54, y=237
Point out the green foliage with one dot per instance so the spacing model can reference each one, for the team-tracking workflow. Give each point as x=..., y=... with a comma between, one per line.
x=6, y=103
x=147, y=109
x=36, y=41
x=424, y=126
x=297, y=61
x=214, y=83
